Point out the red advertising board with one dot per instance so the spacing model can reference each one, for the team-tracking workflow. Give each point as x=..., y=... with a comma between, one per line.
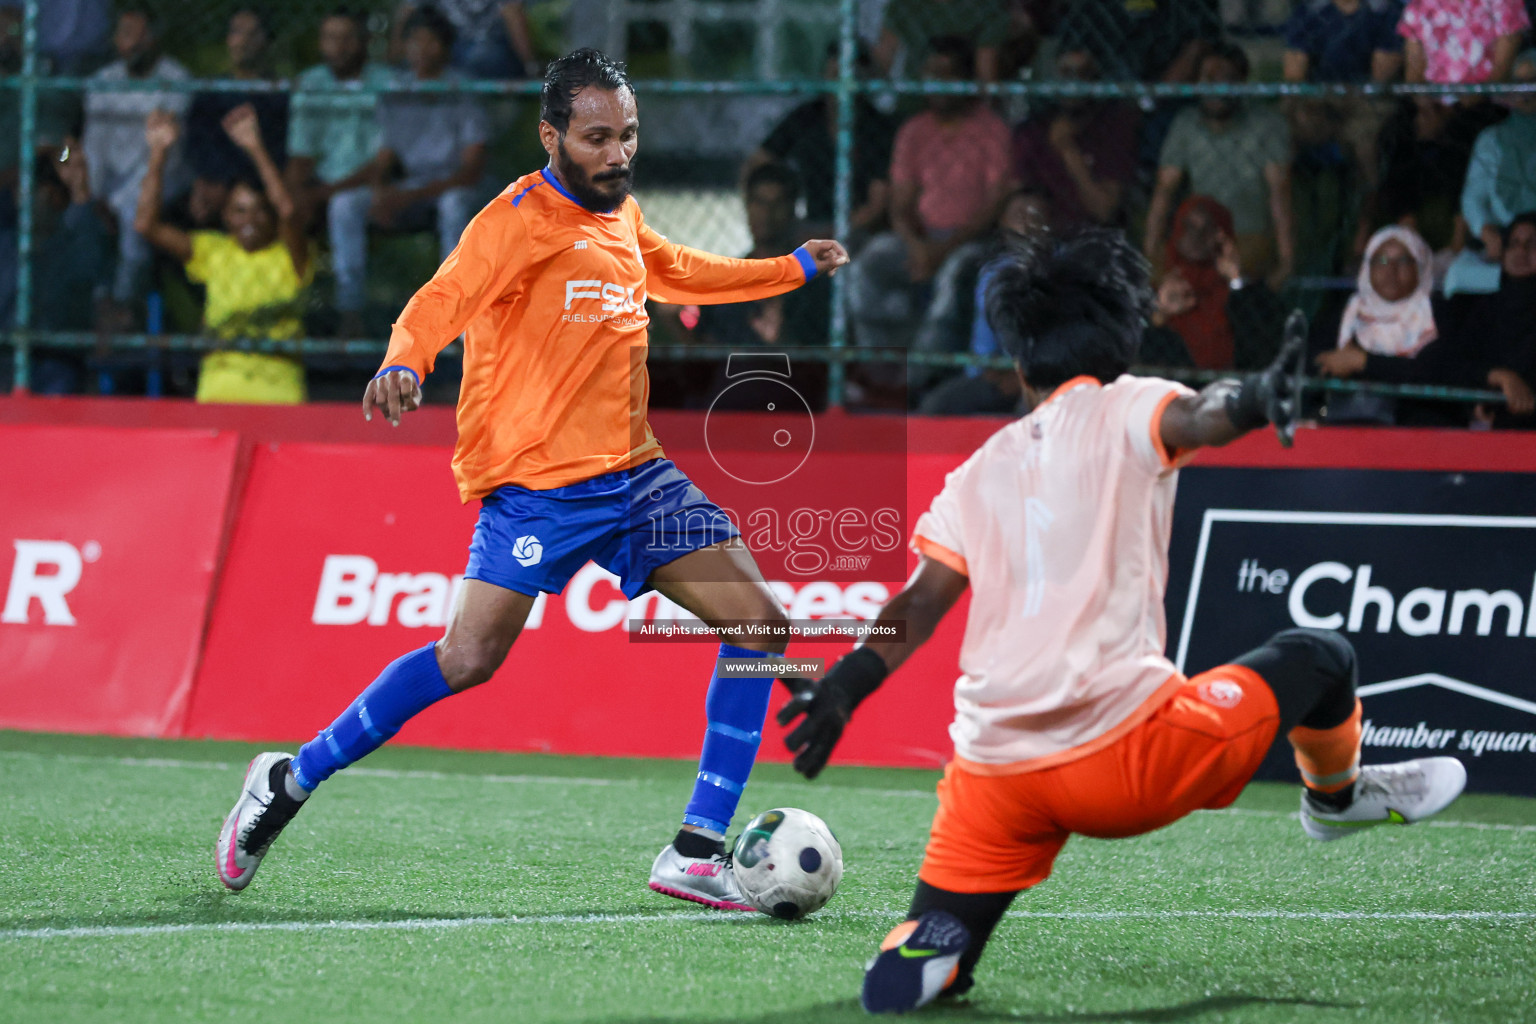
x=109, y=540
x=343, y=557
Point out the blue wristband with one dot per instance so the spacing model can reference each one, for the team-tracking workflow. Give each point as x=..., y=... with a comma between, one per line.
x=389, y=369
x=807, y=263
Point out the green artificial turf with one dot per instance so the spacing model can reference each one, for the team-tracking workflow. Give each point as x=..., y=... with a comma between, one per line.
x=444, y=887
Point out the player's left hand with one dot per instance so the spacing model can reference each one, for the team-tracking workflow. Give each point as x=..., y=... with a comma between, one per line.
x=828, y=254
x=1273, y=394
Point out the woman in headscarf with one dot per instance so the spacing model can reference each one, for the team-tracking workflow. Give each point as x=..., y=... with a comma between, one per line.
x=1391, y=313
x=1205, y=314
x=1498, y=331
x=1192, y=296
x=1387, y=325
x=1393, y=330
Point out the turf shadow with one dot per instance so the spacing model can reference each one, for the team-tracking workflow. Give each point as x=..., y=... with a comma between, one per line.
x=848, y=1010
x=1192, y=1010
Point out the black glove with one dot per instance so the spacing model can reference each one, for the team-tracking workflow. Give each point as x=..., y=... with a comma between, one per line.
x=1273, y=395
x=827, y=705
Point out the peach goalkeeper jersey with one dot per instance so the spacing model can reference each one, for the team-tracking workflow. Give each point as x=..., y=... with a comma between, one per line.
x=1061, y=521
x=550, y=298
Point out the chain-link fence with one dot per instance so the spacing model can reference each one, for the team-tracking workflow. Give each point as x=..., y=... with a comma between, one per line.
x=236, y=200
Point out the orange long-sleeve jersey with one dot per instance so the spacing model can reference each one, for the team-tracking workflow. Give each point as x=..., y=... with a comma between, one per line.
x=550, y=298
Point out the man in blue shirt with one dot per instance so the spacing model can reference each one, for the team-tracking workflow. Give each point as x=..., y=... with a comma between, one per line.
x=1344, y=41
x=1351, y=41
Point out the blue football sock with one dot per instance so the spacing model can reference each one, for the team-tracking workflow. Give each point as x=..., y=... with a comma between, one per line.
x=735, y=707
x=408, y=686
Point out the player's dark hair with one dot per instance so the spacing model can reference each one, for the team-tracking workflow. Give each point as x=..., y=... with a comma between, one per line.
x=775, y=173
x=1068, y=307
x=45, y=173
x=1227, y=50
x=151, y=19
x=355, y=15
x=255, y=12
x=434, y=21
x=1528, y=217
x=567, y=76
x=255, y=185
x=960, y=51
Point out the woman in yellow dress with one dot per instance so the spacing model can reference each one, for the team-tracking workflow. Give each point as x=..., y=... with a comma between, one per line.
x=255, y=270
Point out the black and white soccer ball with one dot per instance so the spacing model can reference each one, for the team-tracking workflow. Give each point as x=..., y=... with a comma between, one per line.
x=788, y=863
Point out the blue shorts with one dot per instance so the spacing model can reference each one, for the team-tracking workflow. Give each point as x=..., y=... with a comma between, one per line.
x=630, y=523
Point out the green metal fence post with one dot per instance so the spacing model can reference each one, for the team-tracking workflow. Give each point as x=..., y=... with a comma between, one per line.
x=842, y=195
x=23, y=350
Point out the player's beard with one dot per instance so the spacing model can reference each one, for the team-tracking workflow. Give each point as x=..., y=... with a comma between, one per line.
x=590, y=190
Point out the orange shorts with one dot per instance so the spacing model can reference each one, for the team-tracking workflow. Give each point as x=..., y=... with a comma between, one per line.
x=1001, y=832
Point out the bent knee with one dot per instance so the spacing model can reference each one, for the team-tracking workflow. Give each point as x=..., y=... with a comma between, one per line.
x=776, y=639
x=467, y=665
x=1330, y=653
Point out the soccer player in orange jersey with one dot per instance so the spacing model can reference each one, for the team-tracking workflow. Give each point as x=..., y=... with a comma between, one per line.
x=548, y=287
x=1068, y=716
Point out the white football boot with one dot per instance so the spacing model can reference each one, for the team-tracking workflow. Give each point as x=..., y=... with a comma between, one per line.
x=1388, y=794
x=708, y=880
x=256, y=819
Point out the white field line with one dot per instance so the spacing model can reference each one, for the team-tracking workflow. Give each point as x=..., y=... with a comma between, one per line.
x=715, y=917
x=576, y=780
x=1477, y=826
x=396, y=773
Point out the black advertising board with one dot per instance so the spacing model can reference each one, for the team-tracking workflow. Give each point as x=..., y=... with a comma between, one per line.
x=1431, y=575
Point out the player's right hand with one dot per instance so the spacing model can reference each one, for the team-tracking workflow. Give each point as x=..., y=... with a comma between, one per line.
x=394, y=393
x=828, y=254
x=813, y=740
x=827, y=705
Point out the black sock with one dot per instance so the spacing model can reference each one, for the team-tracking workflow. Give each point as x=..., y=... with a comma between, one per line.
x=280, y=810
x=978, y=911
x=1337, y=801
x=277, y=778
x=692, y=844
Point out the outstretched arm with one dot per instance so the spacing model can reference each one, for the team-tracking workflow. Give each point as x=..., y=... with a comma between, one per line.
x=1227, y=409
x=828, y=704
x=161, y=132
x=1197, y=421
x=678, y=274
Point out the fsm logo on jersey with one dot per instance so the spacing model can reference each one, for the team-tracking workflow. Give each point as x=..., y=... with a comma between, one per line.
x=1441, y=609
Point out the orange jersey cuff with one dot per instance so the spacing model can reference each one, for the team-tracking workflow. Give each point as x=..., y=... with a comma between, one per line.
x=1170, y=458
x=403, y=352
x=940, y=553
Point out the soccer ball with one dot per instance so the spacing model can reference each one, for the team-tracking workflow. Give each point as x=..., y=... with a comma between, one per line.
x=788, y=863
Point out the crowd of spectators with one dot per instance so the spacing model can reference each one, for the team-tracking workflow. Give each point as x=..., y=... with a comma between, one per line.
x=235, y=198
x=222, y=196
x=1223, y=192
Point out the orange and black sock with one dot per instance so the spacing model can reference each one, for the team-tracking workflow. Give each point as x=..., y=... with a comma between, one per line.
x=978, y=911
x=1329, y=760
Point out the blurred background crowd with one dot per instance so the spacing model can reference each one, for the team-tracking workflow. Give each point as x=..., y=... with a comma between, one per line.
x=326, y=158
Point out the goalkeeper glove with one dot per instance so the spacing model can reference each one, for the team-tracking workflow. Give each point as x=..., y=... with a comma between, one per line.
x=1273, y=395
x=827, y=705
